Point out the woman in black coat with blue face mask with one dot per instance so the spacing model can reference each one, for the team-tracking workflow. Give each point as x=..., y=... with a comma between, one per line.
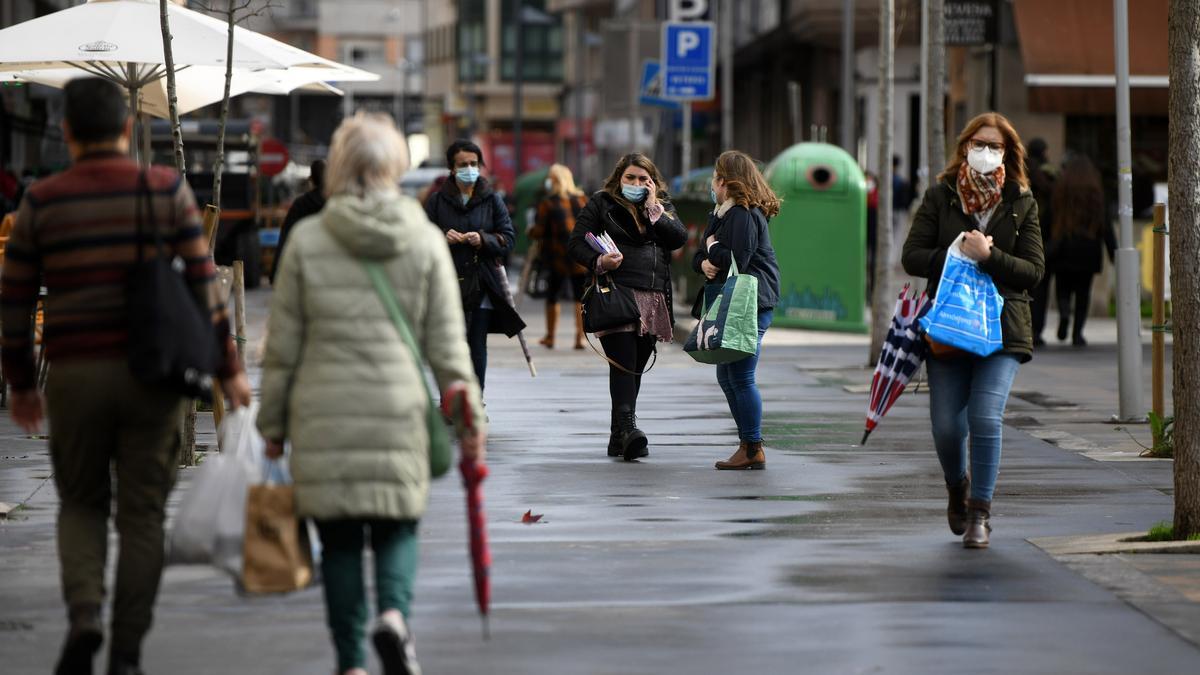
x=634, y=211
x=480, y=234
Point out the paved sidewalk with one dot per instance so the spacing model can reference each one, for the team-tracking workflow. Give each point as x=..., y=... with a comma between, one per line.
x=835, y=560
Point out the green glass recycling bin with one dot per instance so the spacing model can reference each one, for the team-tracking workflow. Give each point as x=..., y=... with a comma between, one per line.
x=820, y=238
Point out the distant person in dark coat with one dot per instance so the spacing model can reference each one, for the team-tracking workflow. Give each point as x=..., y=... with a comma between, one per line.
x=1041, y=174
x=1074, y=249
x=308, y=204
x=480, y=234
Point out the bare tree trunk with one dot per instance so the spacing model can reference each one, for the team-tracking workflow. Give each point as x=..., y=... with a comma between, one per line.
x=1183, y=198
x=935, y=95
x=172, y=99
x=219, y=164
x=882, y=302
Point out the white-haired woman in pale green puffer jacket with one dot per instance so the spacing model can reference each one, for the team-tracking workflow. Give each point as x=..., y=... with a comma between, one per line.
x=342, y=387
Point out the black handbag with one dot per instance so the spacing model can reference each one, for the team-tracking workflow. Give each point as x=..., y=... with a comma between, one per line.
x=537, y=286
x=172, y=342
x=470, y=286
x=607, y=305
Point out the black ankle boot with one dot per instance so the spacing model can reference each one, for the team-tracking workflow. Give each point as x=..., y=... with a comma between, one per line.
x=614, y=439
x=956, y=510
x=633, y=441
x=979, y=527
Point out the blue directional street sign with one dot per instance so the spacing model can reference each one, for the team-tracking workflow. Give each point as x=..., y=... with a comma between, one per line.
x=688, y=60
x=652, y=87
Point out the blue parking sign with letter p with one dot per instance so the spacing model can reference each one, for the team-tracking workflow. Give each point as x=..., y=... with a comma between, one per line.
x=688, y=60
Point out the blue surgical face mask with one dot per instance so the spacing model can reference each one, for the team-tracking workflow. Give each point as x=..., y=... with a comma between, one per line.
x=467, y=175
x=548, y=184
x=712, y=193
x=635, y=193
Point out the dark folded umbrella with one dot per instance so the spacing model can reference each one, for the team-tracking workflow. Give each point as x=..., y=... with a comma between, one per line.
x=902, y=354
x=508, y=297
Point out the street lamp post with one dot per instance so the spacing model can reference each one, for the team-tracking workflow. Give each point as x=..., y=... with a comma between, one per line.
x=1129, y=326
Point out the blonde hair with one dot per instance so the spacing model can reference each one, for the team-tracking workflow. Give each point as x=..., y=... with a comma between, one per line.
x=1014, y=151
x=367, y=154
x=562, y=182
x=744, y=183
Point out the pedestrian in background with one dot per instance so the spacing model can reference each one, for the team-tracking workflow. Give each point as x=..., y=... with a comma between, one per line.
x=305, y=205
x=737, y=232
x=1075, y=248
x=634, y=210
x=552, y=227
x=480, y=234
x=342, y=386
x=1042, y=174
x=79, y=234
x=983, y=192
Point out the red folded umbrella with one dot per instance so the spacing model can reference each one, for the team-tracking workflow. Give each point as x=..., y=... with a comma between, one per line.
x=473, y=473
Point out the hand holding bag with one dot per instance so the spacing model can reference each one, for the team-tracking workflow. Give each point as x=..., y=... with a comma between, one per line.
x=607, y=305
x=276, y=556
x=966, y=311
x=440, y=455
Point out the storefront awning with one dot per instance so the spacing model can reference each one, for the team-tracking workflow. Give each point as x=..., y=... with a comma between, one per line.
x=1067, y=48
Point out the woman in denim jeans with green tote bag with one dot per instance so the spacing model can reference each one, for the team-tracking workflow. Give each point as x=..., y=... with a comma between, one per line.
x=737, y=233
x=983, y=192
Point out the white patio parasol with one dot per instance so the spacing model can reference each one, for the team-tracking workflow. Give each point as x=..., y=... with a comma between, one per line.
x=120, y=40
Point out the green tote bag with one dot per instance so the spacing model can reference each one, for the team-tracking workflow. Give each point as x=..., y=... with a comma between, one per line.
x=728, y=328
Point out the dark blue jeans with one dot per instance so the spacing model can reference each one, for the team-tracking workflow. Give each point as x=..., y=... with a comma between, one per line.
x=477, y=334
x=741, y=389
x=967, y=396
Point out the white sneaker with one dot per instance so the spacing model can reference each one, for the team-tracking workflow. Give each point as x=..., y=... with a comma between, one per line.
x=394, y=644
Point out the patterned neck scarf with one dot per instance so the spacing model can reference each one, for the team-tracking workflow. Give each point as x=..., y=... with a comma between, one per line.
x=980, y=192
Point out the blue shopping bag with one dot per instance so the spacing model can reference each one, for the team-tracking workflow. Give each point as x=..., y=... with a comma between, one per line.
x=966, y=311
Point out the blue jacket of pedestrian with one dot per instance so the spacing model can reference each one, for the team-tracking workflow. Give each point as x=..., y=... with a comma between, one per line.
x=486, y=214
x=742, y=235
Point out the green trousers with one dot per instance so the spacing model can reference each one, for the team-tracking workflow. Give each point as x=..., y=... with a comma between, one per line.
x=394, y=544
x=106, y=424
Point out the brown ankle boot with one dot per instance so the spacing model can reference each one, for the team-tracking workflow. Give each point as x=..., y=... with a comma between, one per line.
x=578, y=325
x=978, y=525
x=551, y=326
x=956, y=510
x=747, y=456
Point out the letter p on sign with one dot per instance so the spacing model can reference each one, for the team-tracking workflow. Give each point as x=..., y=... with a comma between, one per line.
x=688, y=40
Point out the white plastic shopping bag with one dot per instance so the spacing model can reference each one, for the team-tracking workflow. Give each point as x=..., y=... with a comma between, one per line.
x=210, y=525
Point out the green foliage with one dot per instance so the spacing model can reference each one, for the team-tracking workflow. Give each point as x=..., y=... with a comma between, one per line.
x=1162, y=431
x=1164, y=531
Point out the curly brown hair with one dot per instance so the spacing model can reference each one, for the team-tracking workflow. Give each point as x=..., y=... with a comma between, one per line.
x=745, y=184
x=612, y=185
x=1014, y=152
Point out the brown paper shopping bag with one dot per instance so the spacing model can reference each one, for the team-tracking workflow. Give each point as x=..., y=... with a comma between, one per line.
x=276, y=557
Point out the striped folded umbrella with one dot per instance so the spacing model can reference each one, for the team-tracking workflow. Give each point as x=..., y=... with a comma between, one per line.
x=903, y=351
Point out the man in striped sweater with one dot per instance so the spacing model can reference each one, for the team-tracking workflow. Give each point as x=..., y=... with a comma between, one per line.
x=76, y=235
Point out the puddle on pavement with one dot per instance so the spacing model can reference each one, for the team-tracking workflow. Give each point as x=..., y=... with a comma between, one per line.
x=656, y=520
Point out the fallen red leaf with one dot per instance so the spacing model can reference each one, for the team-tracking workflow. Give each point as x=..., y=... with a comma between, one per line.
x=530, y=517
